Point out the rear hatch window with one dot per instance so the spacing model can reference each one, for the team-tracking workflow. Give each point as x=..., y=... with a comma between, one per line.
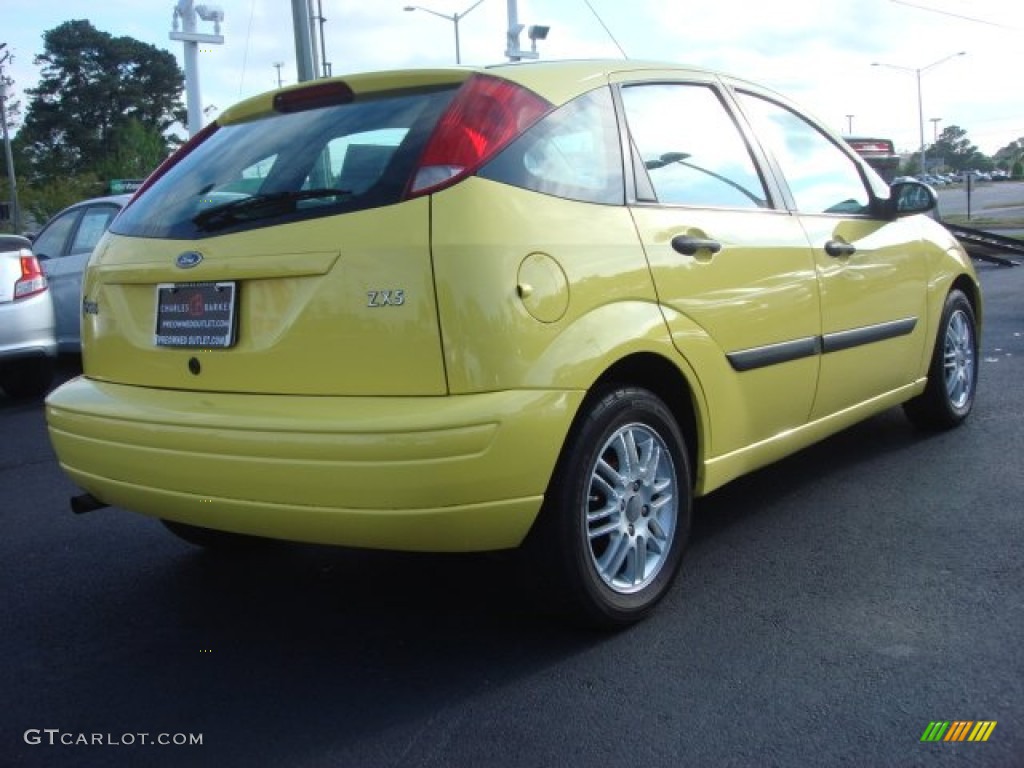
x=299, y=163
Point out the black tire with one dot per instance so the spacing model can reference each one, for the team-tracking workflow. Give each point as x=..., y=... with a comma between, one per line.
x=27, y=378
x=211, y=539
x=601, y=520
x=953, y=373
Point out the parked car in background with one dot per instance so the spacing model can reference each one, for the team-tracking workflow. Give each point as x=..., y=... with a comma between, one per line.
x=28, y=346
x=467, y=309
x=63, y=246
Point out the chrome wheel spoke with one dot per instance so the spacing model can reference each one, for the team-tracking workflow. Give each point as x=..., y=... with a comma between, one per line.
x=603, y=530
x=958, y=360
x=658, y=533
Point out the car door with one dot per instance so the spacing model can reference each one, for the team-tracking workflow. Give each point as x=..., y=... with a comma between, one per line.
x=733, y=271
x=871, y=270
x=67, y=243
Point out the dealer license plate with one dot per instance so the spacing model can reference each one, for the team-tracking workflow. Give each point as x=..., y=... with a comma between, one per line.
x=195, y=315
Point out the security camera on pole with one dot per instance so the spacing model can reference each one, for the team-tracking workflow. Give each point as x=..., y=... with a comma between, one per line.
x=184, y=29
x=535, y=33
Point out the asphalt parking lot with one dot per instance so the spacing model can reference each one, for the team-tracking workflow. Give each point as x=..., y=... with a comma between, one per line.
x=831, y=607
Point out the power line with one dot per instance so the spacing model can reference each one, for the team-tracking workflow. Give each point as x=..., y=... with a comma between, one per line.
x=245, y=53
x=954, y=15
x=601, y=21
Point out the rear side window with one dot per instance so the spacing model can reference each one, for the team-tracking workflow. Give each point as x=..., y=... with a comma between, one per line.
x=94, y=223
x=690, y=147
x=293, y=166
x=573, y=153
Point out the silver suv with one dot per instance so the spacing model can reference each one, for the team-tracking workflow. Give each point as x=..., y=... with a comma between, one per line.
x=28, y=342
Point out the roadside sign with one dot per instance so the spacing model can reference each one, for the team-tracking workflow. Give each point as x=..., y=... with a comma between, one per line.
x=123, y=186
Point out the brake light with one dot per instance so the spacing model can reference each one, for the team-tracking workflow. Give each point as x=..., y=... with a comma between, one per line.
x=313, y=97
x=484, y=117
x=32, y=280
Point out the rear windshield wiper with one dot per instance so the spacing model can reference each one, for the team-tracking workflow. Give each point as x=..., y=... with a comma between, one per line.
x=261, y=206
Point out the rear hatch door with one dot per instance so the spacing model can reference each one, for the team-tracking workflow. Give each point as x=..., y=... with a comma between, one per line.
x=278, y=254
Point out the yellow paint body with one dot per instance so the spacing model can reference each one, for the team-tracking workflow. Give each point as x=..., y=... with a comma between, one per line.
x=436, y=423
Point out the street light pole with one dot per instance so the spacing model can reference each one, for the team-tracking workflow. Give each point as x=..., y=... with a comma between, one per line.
x=8, y=157
x=918, y=71
x=454, y=19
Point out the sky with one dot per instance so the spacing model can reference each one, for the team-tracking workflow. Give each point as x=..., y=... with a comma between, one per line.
x=818, y=52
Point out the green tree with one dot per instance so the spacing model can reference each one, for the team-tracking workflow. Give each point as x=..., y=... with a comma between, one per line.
x=957, y=151
x=1010, y=154
x=93, y=88
x=40, y=201
x=137, y=151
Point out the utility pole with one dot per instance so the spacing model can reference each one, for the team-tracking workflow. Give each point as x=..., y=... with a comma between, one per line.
x=302, y=24
x=319, y=18
x=277, y=66
x=536, y=32
x=11, y=182
x=183, y=28
x=513, y=52
x=849, y=125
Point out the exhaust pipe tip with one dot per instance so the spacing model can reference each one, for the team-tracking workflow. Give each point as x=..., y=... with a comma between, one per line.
x=86, y=502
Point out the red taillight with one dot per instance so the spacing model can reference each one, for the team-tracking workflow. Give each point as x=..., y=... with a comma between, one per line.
x=32, y=280
x=486, y=114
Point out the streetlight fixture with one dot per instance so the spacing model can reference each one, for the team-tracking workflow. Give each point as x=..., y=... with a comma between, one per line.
x=454, y=19
x=920, y=106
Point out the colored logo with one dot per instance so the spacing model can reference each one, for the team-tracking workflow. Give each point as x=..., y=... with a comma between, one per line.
x=958, y=730
x=188, y=259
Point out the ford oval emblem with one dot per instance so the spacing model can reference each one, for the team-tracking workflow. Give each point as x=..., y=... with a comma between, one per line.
x=188, y=259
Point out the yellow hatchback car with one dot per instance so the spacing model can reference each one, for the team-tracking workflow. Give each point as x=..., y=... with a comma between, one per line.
x=540, y=304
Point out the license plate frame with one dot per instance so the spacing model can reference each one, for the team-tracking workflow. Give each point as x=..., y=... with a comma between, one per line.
x=198, y=315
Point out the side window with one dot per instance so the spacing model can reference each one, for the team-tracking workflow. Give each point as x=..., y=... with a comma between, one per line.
x=820, y=175
x=574, y=153
x=691, y=148
x=52, y=240
x=94, y=223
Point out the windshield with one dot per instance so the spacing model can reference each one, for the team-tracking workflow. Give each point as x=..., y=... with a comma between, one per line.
x=287, y=167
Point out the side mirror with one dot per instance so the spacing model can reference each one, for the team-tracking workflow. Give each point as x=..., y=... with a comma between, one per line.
x=910, y=197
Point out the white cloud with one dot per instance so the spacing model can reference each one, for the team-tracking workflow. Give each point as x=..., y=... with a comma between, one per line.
x=817, y=51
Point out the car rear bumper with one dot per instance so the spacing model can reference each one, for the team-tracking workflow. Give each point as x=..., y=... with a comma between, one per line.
x=456, y=473
x=27, y=328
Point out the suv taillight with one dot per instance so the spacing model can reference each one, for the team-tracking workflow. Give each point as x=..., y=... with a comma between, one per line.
x=484, y=117
x=32, y=280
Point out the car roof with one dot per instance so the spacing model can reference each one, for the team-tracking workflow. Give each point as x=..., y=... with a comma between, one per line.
x=119, y=200
x=556, y=80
